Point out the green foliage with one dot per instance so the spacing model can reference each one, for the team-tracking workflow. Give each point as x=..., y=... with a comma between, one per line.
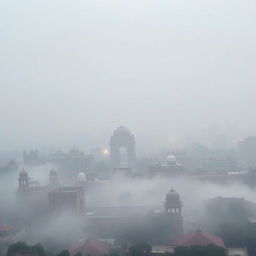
x=233, y=234
x=34, y=250
x=78, y=254
x=140, y=249
x=63, y=253
x=112, y=254
x=38, y=250
x=239, y=235
x=23, y=248
x=198, y=250
x=19, y=247
x=181, y=251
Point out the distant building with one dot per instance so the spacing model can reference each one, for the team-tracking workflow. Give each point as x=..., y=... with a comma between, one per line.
x=26, y=185
x=31, y=199
x=237, y=251
x=74, y=161
x=122, y=138
x=173, y=205
x=68, y=199
x=123, y=170
x=162, y=225
x=169, y=168
x=31, y=158
x=247, y=152
x=81, y=179
x=219, y=210
x=158, y=250
x=9, y=166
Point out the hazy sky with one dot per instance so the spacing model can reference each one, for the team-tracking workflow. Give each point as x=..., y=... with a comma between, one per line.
x=73, y=70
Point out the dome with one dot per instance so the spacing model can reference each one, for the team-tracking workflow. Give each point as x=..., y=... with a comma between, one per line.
x=121, y=131
x=81, y=177
x=171, y=158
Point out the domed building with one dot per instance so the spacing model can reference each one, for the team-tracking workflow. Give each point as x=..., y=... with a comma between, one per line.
x=122, y=131
x=172, y=202
x=169, y=167
x=173, y=205
x=122, y=138
x=81, y=179
x=171, y=160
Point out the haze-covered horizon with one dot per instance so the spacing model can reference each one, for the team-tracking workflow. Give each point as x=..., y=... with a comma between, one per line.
x=73, y=71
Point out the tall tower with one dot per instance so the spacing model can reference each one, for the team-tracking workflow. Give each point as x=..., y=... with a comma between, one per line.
x=122, y=138
x=23, y=181
x=173, y=207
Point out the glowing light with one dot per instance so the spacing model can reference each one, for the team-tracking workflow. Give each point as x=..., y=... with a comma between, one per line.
x=105, y=152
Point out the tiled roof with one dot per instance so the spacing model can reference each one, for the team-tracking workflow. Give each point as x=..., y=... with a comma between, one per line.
x=5, y=227
x=199, y=238
x=91, y=247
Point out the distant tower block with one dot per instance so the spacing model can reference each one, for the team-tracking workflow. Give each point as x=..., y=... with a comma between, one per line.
x=122, y=138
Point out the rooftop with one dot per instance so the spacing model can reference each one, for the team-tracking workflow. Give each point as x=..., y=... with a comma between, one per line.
x=199, y=238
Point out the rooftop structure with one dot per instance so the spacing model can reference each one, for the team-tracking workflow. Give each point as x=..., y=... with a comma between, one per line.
x=74, y=160
x=172, y=202
x=199, y=238
x=91, y=247
x=69, y=199
x=169, y=167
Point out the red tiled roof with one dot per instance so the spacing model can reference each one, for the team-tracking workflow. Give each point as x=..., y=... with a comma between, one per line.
x=199, y=238
x=91, y=247
x=5, y=227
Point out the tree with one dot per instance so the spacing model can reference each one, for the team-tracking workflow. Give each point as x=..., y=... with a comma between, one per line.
x=233, y=234
x=199, y=250
x=63, y=253
x=38, y=250
x=239, y=235
x=78, y=254
x=23, y=248
x=141, y=249
x=19, y=247
x=112, y=254
x=181, y=251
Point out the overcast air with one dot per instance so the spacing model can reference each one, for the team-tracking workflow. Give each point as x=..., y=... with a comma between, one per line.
x=127, y=128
